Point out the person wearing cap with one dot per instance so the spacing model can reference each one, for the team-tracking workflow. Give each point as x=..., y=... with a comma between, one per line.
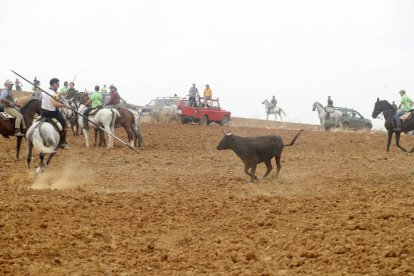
x=11, y=108
x=114, y=98
x=50, y=109
x=208, y=94
x=95, y=101
x=64, y=89
x=404, y=107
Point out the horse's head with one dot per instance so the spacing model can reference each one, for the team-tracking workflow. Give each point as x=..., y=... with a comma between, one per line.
x=381, y=106
x=314, y=106
x=265, y=102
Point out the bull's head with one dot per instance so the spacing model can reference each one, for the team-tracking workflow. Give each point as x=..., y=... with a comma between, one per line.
x=226, y=142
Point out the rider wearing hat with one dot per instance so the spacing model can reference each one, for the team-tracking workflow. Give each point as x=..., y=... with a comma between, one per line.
x=114, y=98
x=95, y=102
x=11, y=108
x=404, y=107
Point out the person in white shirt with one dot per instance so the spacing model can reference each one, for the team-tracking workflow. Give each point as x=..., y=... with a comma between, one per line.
x=50, y=109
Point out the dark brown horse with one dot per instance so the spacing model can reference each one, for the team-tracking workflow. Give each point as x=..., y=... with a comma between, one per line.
x=28, y=111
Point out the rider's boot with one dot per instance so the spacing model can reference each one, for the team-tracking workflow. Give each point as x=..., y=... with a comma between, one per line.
x=62, y=143
x=17, y=133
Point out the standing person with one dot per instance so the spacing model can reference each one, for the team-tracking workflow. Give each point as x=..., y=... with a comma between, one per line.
x=95, y=101
x=11, y=108
x=104, y=90
x=50, y=110
x=208, y=94
x=404, y=107
x=114, y=97
x=64, y=89
x=37, y=93
x=193, y=93
x=19, y=85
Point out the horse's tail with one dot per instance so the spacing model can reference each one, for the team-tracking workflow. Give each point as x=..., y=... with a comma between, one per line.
x=39, y=144
x=281, y=110
x=294, y=139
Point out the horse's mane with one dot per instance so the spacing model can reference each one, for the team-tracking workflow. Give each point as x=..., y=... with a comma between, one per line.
x=28, y=103
x=387, y=103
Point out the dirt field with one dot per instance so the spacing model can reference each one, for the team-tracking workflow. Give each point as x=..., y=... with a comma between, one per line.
x=341, y=206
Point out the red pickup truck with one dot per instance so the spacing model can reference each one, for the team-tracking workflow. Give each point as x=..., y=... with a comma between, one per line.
x=204, y=112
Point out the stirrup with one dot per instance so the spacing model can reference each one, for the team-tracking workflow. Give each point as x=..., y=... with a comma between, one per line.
x=19, y=134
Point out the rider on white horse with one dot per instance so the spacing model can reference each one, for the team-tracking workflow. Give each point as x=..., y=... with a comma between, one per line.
x=272, y=104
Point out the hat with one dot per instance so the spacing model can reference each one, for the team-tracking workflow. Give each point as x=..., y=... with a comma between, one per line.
x=402, y=91
x=111, y=85
x=8, y=82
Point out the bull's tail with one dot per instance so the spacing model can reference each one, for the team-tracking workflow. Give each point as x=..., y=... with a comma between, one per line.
x=294, y=139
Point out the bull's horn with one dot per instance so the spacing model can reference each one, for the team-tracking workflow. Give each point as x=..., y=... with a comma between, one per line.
x=222, y=129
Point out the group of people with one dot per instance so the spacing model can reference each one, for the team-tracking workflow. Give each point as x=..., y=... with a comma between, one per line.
x=50, y=106
x=193, y=95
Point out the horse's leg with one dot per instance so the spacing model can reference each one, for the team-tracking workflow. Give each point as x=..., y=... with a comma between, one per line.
x=130, y=135
x=29, y=153
x=96, y=134
x=18, y=144
x=86, y=134
x=110, y=138
x=390, y=133
x=102, y=140
x=397, y=141
x=50, y=158
x=40, y=168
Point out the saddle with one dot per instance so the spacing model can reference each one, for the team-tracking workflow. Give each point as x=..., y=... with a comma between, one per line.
x=53, y=121
x=6, y=116
x=406, y=116
x=93, y=111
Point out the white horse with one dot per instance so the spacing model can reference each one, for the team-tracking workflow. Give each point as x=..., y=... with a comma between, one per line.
x=276, y=111
x=336, y=116
x=104, y=117
x=44, y=137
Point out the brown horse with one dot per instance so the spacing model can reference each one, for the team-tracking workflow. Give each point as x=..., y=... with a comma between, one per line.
x=28, y=111
x=126, y=121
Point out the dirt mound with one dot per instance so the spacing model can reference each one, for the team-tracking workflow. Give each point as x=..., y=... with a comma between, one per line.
x=341, y=206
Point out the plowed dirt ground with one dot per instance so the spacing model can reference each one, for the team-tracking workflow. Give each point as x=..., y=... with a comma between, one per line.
x=341, y=205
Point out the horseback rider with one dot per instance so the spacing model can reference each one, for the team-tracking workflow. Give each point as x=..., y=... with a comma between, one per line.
x=114, y=98
x=50, y=110
x=64, y=89
x=404, y=107
x=11, y=108
x=19, y=85
x=193, y=93
x=272, y=105
x=95, y=101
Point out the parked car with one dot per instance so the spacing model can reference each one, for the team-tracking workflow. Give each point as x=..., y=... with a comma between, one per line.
x=203, y=113
x=165, y=107
x=352, y=119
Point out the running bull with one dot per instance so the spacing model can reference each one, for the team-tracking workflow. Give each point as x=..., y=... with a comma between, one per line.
x=255, y=150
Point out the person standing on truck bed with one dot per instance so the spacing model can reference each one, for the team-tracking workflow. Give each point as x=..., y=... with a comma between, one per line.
x=193, y=93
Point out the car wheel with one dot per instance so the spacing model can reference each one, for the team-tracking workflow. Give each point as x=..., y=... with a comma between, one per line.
x=204, y=120
x=368, y=126
x=345, y=125
x=225, y=121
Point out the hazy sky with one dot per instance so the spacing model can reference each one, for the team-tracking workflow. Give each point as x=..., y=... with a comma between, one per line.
x=300, y=51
